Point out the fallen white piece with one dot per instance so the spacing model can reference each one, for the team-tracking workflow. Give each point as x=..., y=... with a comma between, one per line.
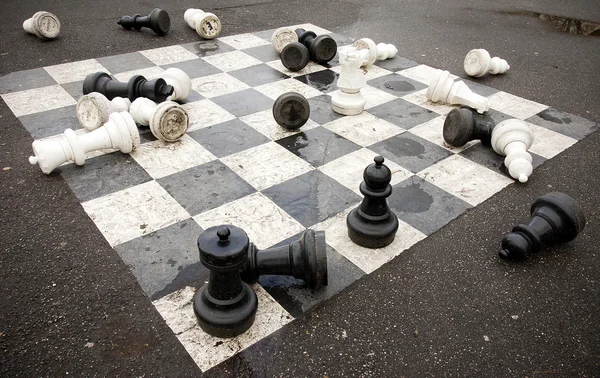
x=43, y=24
x=93, y=109
x=444, y=90
x=207, y=25
x=380, y=51
x=180, y=81
x=512, y=138
x=120, y=132
x=283, y=37
x=168, y=121
x=348, y=100
x=478, y=62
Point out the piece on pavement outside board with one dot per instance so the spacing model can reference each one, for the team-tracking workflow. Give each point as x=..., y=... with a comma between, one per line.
x=461, y=126
x=379, y=51
x=180, y=81
x=43, y=24
x=158, y=20
x=168, y=121
x=372, y=224
x=282, y=37
x=291, y=110
x=294, y=56
x=348, y=100
x=305, y=259
x=555, y=218
x=478, y=62
x=207, y=25
x=321, y=49
x=512, y=138
x=225, y=306
x=120, y=132
x=93, y=109
x=444, y=90
x=156, y=90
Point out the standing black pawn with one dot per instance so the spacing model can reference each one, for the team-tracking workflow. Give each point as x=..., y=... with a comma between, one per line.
x=294, y=56
x=225, y=306
x=158, y=20
x=462, y=126
x=156, y=90
x=555, y=218
x=372, y=224
x=305, y=259
x=321, y=49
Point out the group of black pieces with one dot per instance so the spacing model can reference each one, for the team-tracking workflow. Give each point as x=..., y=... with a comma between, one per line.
x=320, y=49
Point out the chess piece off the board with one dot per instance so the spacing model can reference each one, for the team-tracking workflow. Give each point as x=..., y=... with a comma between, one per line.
x=321, y=49
x=372, y=224
x=168, y=121
x=305, y=259
x=158, y=21
x=225, y=306
x=461, y=126
x=291, y=110
x=156, y=90
x=555, y=218
x=282, y=37
x=43, y=24
x=478, y=62
x=93, y=109
x=294, y=56
x=512, y=138
x=348, y=100
x=120, y=132
x=207, y=25
x=444, y=90
x=379, y=51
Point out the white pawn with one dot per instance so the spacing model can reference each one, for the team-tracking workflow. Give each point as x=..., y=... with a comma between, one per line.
x=180, y=81
x=168, y=121
x=478, y=62
x=444, y=90
x=93, y=109
x=380, y=51
x=512, y=138
x=120, y=132
x=283, y=37
x=348, y=100
x=43, y=24
x=207, y=25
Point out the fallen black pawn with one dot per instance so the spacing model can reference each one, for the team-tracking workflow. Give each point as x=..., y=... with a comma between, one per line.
x=321, y=49
x=156, y=90
x=158, y=20
x=294, y=56
x=291, y=110
x=305, y=259
x=555, y=218
x=461, y=126
x=225, y=306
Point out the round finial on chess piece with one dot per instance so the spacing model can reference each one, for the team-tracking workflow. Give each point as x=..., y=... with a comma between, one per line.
x=223, y=234
x=291, y=110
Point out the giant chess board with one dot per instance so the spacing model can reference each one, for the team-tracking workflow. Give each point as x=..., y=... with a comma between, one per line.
x=236, y=165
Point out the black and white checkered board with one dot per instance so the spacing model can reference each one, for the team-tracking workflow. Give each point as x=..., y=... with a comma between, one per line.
x=236, y=165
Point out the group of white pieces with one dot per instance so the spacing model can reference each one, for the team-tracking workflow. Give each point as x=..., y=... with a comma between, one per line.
x=111, y=124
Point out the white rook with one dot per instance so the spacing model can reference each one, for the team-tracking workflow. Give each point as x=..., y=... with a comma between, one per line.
x=93, y=109
x=283, y=37
x=348, y=100
x=120, y=132
x=478, y=62
x=512, y=138
x=43, y=24
x=168, y=121
x=380, y=51
x=207, y=25
x=444, y=90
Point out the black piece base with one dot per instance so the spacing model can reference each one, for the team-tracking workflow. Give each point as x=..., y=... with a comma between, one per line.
x=371, y=233
x=323, y=49
x=291, y=110
x=315, y=259
x=225, y=319
x=294, y=56
x=462, y=126
x=96, y=82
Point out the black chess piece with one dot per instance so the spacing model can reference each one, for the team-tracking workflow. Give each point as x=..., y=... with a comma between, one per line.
x=294, y=56
x=305, y=259
x=291, y=110
x=555, y=218
x=158, y=20
x=321, y=49
x=372, y=224
x=156, y=90
x=225, y=306
x=463, y=125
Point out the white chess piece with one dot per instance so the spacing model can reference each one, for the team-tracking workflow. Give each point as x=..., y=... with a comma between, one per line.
x=168, y=121
x=207, y=25
x=478, y=62
x=283, y=37
x=120, y=132
x=380, y=51
x=93, y=109
x=43, y=24
x=512, y=138
x=445, y=90
x=180, y=81
x=348, y=100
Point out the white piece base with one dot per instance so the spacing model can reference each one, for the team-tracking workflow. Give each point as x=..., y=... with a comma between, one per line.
x=512, y=138
x=478, y=62
x=348, y=103
x=283, y=37
x=182, y=85
x=168, y=121
x=207, y=25
x=444, y=90
x=93, y=109
x=43, y=24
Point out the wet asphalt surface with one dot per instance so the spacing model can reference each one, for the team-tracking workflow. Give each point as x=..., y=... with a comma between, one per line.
x=446, y=307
